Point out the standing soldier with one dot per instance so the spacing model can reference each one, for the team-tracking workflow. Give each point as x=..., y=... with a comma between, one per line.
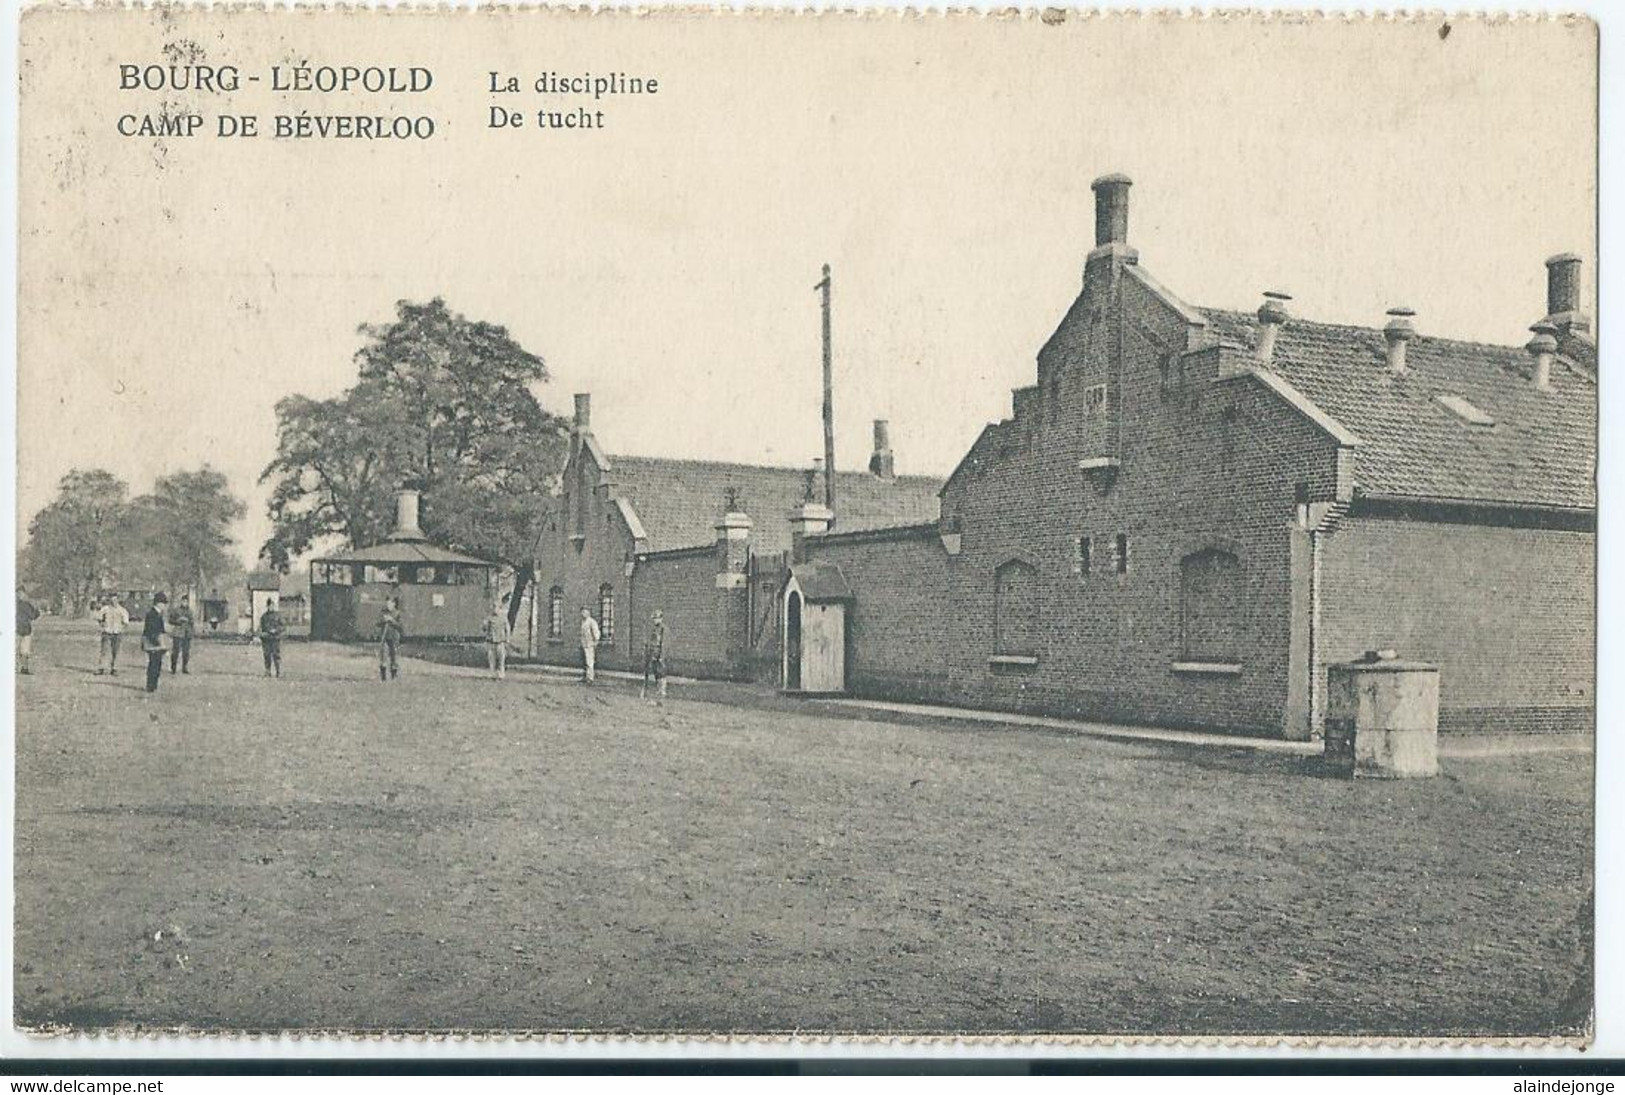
x=181, y=626
x=155, y=640
x=654, y=656
x=26, y=615
x=497, y=635
x=590, y=634
x=271, y=629
x=390, y=634
x=111, y=620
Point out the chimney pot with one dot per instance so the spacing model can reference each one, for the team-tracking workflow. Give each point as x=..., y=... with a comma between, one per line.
x=583, y=411
x=1111, y=209
x=1398, y=332
x=406, y=515
x=1562, y=284
x=1542, y=348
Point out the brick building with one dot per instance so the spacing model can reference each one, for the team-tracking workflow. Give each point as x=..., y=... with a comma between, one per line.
x=1194, y=511
x=707, y=543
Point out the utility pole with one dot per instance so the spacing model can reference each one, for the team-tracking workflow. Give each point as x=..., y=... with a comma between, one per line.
x=829, y=399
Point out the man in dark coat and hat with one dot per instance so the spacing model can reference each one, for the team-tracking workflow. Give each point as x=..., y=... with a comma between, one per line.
x=155, y=640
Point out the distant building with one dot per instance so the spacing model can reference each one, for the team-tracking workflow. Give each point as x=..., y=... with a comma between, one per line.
x=295, y=609
x=215, y=609
x=264, y=589
x=443, y=594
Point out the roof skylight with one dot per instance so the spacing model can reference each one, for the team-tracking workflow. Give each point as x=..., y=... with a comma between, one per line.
x=1467, y=412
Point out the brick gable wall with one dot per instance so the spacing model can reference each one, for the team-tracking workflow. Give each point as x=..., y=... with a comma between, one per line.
x=581, y=566
x=705, y=625
x=1205, y=463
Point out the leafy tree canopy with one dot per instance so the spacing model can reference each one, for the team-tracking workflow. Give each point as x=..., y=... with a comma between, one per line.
x=442, y=402
x=94, y=536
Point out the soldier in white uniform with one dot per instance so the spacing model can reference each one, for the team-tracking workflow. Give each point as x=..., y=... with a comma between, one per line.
x=590, y=634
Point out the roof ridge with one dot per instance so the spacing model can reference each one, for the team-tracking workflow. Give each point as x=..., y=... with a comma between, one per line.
x=1420, y=336
x=615, y=457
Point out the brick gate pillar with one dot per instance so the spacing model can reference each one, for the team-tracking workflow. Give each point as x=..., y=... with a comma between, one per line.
x=733, y=588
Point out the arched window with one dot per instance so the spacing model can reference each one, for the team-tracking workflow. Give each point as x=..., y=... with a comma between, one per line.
x=606, y=613
x=1015, y=609
x=555, y=613
x=1210, y=606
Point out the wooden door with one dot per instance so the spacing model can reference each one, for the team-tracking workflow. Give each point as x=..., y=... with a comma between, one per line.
x=824, y=648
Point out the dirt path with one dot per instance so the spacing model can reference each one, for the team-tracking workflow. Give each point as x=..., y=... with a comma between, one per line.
x=329, y=852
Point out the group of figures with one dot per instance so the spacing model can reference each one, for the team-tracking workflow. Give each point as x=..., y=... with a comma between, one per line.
x=654, y=651
x=169, y=630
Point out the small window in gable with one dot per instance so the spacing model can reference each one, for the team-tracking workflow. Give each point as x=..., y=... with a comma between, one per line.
x=1082, y=550
x=1094, y=402
x=1120, y=553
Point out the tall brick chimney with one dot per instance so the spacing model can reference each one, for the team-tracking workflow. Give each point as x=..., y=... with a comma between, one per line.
x=1111, y=251
x=1563, y=295
x=1111, y=209
x=881, y=464
x=582, y=426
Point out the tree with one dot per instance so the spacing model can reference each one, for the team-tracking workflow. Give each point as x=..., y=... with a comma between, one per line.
x=191, y=513
x=337, y=462
x=73, y=541
x=443, y=402
x=274, y=556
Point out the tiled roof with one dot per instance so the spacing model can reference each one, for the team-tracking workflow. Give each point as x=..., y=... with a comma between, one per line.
x=403, y=551
x=1541, y=449
x=821, y=582
x=680, y=501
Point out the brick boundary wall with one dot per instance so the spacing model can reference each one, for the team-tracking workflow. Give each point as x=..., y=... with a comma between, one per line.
x=1508, y=615
x=899, y=625
x=682, y=584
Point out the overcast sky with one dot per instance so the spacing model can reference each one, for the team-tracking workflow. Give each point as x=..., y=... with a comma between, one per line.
x=666, y=263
